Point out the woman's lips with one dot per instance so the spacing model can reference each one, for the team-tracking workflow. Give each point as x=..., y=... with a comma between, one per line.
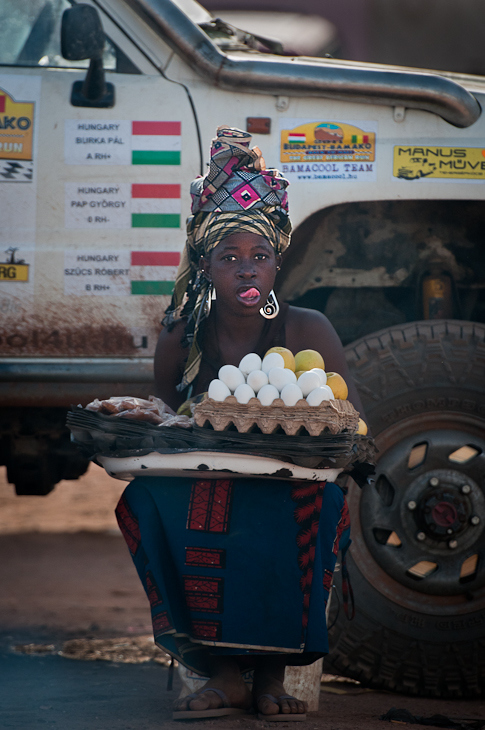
x=249, y=296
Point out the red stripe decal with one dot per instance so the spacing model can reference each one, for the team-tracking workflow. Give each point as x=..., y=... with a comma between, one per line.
x=2, y=104
x=156, y=128
x=139, y=190
x=155, y=258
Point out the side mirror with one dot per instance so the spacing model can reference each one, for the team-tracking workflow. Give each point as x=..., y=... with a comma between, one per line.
x=82, y=36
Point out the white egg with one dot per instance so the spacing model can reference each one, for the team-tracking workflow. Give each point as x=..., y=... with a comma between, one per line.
x=279, y=377
x=268, y=394
x=256, y=380
x=308, y=381
x=320, y=394
x=218, y=390
x=231, y=376
x=244, y=393
x=291, y=394
x=321, y=373
x=249, y=363
x=273, y=360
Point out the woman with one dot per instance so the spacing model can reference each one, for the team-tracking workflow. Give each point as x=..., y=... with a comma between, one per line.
x=237, y=571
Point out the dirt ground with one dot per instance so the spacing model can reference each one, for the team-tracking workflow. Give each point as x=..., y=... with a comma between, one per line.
x=66, y=575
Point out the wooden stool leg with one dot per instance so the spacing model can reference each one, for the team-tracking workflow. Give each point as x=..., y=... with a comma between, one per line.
x=304, y=683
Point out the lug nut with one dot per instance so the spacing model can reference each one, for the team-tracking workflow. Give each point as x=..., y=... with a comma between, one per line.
x=434, y=481
x=466, y=489
x=449, y=531
x=420, y=536
x=452, y=544
x=475, y=520
x=412, y=504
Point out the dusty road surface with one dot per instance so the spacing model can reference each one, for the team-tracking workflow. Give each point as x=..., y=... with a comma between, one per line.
x=65, y=575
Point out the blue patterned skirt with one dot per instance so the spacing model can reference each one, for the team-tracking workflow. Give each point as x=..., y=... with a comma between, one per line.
x=235, y=567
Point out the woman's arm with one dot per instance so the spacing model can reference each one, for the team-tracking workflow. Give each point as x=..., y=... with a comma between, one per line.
x=169, y=363
x=307, y=329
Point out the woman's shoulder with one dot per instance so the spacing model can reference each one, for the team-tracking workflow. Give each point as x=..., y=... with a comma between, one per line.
x=299, y=317
x=310, y=329
x=173, y=332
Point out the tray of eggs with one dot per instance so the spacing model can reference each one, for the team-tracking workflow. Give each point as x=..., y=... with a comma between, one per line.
x=279, y=392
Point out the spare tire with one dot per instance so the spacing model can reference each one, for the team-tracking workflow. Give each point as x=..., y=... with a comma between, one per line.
x=417, y=560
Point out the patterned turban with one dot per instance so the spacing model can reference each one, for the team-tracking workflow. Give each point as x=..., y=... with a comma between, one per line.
x=237, y=195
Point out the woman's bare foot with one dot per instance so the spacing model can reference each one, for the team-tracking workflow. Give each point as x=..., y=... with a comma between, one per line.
x=268, y=680
x=226, y=676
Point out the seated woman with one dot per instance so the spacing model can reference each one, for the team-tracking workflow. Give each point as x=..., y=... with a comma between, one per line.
x=237, y=571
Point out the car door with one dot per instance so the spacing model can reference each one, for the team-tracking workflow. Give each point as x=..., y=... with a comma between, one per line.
x=92, y=199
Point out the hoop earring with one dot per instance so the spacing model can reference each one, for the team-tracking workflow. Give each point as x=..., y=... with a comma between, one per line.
x=271, y=308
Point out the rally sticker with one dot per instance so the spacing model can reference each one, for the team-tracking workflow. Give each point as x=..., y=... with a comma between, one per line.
x=460, y=164
x=119, y=273
x=137, y=205
x=14, y=267
x=97, y=142
x=328, y=150
x=16, y=128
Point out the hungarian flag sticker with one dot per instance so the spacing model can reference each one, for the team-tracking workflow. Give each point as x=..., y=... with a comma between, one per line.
x=153, y=272
x=155, y=206
x=155, y=143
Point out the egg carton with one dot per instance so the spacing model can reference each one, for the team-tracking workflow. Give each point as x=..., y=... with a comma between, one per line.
x=333, y=416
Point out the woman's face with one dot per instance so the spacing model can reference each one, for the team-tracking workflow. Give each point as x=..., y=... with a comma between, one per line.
x=243, y=269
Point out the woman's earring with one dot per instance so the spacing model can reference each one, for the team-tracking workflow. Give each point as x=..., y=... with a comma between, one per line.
x=210, y=296
x=271, y=307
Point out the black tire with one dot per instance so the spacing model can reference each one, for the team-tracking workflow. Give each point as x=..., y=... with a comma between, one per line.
x=423, y=390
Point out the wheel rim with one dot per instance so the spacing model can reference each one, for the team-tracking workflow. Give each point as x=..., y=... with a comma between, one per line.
x=423, y=519
x=399, y=563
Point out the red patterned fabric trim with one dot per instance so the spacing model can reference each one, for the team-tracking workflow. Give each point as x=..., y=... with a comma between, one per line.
x=161, y=623
x=128, y=525
x=209, y=630
x=342, y=525
x=204, y=594
x=327, y=579
x=210, y=505
x=200, y=557
x=153, y=593
x=307, y=514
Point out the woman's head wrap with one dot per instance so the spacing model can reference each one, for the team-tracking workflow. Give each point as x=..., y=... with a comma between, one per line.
x=237, y=195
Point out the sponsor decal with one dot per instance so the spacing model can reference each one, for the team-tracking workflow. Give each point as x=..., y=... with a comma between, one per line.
x=13, y=268
x=120, y=273
x=460, y=164
x=137, y=205
x=328, y=150
x=16, y=128
x=123, y=142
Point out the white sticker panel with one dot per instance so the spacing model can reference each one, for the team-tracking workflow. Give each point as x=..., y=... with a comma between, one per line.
x=100, y=205
x=97, y=142
x=125, y=205
x=122, y=142
x=92, y=272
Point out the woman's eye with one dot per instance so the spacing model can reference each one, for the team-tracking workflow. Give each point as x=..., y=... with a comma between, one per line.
x=261, y=256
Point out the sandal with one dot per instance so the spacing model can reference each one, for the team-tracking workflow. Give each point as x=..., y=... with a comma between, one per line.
x=281, y=716
x=210, y=712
